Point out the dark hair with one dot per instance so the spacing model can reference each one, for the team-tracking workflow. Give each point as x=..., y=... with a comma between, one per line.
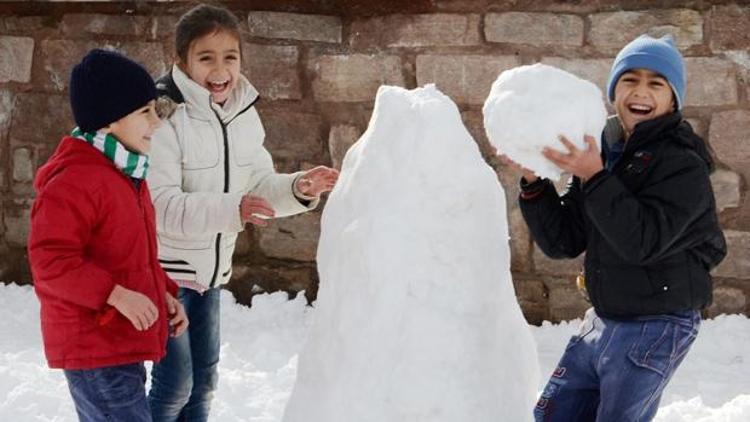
x=202, y=20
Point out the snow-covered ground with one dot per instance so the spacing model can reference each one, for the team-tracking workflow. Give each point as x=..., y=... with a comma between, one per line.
x=259, y=363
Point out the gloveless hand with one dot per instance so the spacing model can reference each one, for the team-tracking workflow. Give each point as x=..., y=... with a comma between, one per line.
x=582, y=163
x=319, y=180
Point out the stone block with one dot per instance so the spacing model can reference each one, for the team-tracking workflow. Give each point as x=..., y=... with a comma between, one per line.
x=592, y=70
x=294, y=26
x=730, y=27
x=431, y=30
x=532, y=297
x=610, y=31
x=59, y=56
x=727, y=300
x=565, y=300
x=272, y=69
x=293, y=135
x=17, y=55
x=163, y=27
x=710, y=82
x=467, y=79
x=23, y=165
x=14, y=24
x=537, y=29
x=567, y=267
x=6, y=109
x=249, y=280
x=340, y=139
x=52, y=119
x=728, y=136
x=79, y=25
x=353, y=78
x=737, y=262
x=17, y=218
x=294, y=238
x=726, y=185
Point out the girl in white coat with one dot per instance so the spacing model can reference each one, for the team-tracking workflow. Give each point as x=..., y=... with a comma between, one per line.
x=210, y=175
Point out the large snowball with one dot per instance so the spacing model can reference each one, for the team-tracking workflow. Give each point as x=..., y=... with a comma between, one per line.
x=416, y=318
x=529, y=107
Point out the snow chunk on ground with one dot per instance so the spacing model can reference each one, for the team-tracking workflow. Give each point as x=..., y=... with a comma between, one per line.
x=712, y=384
x=416, y=318
x=529, y=107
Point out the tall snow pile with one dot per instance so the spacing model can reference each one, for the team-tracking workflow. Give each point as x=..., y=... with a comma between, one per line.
x=416, y=317
x=529, y=107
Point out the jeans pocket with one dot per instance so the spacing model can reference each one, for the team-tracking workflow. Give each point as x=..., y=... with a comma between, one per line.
x=655, y=347
x=122, y=385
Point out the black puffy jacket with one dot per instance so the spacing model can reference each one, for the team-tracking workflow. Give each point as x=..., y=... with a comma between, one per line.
x=648, y=226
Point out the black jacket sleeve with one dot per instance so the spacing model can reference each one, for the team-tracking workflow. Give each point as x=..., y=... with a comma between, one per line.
x=555, y=222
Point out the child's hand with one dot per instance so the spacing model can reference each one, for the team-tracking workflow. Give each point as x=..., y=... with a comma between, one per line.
x=136, y=307
x=526, y=173
x=255, y=210
x=582, y=163
x=319, y=180
x=178, y=320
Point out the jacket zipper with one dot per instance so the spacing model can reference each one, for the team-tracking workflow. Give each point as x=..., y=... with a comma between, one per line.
x=226, y=181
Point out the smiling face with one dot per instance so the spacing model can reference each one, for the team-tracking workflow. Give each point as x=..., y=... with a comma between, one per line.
x=134, y=130
x=213, y=61
x=641, y=95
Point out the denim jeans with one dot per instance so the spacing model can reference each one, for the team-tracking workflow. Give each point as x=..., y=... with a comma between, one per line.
x=616, y=371
x=113, y=393
x=183, y=383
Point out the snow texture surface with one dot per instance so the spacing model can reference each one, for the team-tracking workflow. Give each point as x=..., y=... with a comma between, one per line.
x=259, y=363
x=416, y=319
x=530, y=107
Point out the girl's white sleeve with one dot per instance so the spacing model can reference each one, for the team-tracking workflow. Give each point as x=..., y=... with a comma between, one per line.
x=277, y=188
x=186, y=213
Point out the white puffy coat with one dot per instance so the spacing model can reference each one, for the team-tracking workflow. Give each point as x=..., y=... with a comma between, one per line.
x=204, y=158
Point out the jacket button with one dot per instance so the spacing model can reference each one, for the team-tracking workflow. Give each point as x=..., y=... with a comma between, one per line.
x=665, y=288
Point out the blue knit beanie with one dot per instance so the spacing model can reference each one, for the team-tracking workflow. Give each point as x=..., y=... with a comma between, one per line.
x=107, y=86
x=655, y=54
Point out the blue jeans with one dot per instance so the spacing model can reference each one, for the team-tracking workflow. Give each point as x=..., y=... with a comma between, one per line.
x=183, y=383
x=616, y=371
x=112, y=393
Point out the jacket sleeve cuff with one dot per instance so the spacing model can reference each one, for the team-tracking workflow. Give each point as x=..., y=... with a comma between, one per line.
x=302, y=198
x=530, y=190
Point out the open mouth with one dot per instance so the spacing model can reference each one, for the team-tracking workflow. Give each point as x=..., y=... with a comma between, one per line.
x=217, y=87
x=640, y=109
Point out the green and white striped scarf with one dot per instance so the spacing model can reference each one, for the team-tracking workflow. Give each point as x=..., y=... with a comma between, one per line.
x=131, y=163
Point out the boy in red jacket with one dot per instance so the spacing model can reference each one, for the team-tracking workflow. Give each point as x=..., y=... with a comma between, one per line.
x=106, y=304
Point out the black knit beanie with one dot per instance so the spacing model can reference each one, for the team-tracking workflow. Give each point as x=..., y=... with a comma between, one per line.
x=107, y=86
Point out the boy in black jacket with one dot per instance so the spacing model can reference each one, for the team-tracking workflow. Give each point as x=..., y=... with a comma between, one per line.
x=643, y=211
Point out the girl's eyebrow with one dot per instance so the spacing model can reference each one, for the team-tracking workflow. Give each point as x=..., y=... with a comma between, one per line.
x=231, y=50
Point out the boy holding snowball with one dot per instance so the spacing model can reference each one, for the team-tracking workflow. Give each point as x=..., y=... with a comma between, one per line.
x=643, y=210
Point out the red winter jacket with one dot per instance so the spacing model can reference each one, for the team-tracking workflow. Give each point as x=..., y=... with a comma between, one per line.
x=91, y=229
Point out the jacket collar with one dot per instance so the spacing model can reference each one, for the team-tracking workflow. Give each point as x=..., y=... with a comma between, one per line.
x=644, y=132
x=180, y=88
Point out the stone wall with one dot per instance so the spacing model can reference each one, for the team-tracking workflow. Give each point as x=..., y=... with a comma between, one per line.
x=318, y=66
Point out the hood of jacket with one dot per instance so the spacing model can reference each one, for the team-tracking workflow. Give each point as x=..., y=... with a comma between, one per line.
x=180, y=89
x=69, y=152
